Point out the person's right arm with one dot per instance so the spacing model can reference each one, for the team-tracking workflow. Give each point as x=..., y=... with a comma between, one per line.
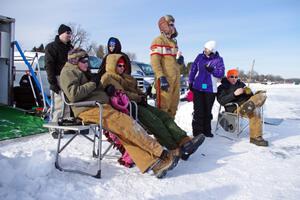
x=50, y=65
x=224, y=97
x=193, y=72
x=71, y=86
x=156, y=57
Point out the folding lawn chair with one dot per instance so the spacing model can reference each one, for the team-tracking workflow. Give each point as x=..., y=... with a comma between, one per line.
x=233, y=123
x=80, y=129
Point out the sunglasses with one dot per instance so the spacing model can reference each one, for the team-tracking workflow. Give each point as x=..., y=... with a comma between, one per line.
x=234, y=77
x=84, y=61
x=119, y=65
x=172, y=25
x=69, y=32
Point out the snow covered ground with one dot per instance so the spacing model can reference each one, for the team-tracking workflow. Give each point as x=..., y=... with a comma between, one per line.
x=220, y=169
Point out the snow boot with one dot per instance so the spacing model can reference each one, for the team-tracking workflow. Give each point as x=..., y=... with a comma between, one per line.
x=259, y=141
x=208, y=134
x=190, y=147
x=167, y=162
x=176, y=152
x=247, y=108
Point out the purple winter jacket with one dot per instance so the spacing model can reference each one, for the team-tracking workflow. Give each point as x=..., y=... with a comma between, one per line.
x=200, y=78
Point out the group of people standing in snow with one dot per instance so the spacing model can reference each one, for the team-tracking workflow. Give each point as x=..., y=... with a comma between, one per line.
x=114, y=87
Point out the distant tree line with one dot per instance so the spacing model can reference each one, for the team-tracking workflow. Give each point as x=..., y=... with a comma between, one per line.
x=244, y=76
x=80, y=38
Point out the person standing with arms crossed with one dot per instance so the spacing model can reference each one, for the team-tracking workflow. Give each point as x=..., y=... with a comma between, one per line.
x=56, y=55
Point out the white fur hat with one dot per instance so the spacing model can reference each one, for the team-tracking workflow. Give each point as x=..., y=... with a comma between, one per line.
x=211, y=45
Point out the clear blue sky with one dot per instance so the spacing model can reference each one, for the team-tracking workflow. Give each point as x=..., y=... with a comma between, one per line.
x=265, y=30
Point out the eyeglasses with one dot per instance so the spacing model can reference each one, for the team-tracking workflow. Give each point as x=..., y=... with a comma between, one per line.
x=119, y=65
x=234, y=77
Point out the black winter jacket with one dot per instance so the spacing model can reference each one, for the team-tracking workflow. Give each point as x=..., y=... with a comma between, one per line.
x=226, y=94
x=56, y=55
x=117, y=50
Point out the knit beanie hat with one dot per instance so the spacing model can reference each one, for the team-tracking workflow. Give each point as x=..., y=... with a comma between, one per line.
x=232, y=72
x=75, y=55
x=163, y=24
x=112, y=42
x=63, y=28
x=211, y=45
x=121, y=61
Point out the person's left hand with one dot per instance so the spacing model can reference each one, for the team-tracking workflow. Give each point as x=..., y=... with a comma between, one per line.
x=110, y=90
x=191, y=86
x=180, y=60
x=96, y=79
x=143, y=101
x=164, y=85
x=209, y=68
x=247, y=90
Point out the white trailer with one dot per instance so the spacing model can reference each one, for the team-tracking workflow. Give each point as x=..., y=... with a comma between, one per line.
x=7, y=32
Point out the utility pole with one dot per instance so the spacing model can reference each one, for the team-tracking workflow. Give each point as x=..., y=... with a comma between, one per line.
x=251, y=72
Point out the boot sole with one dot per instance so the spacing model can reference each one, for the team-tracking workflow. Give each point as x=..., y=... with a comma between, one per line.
x=163, y=173
x=196, y=145
x=247, y=108
x=260, y=143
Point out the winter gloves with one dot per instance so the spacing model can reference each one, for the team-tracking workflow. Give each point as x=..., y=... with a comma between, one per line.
x=110, y=90
x=190, y=86
x=55, y=88
x=209, y=68
x=247, y=91
x=180, y=60
x=143, y=101
x=164, y=85
x=96, y=79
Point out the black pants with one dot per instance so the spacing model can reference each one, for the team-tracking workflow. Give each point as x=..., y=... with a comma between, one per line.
x=203, y=103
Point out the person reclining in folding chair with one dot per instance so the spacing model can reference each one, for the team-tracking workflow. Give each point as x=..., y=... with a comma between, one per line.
x=158, y=122
x=233, y=90
x=78, y=85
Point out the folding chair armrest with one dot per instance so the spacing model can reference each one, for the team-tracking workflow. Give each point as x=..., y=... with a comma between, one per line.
x=84, y=103
x=232, y=104
x=135, y=114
